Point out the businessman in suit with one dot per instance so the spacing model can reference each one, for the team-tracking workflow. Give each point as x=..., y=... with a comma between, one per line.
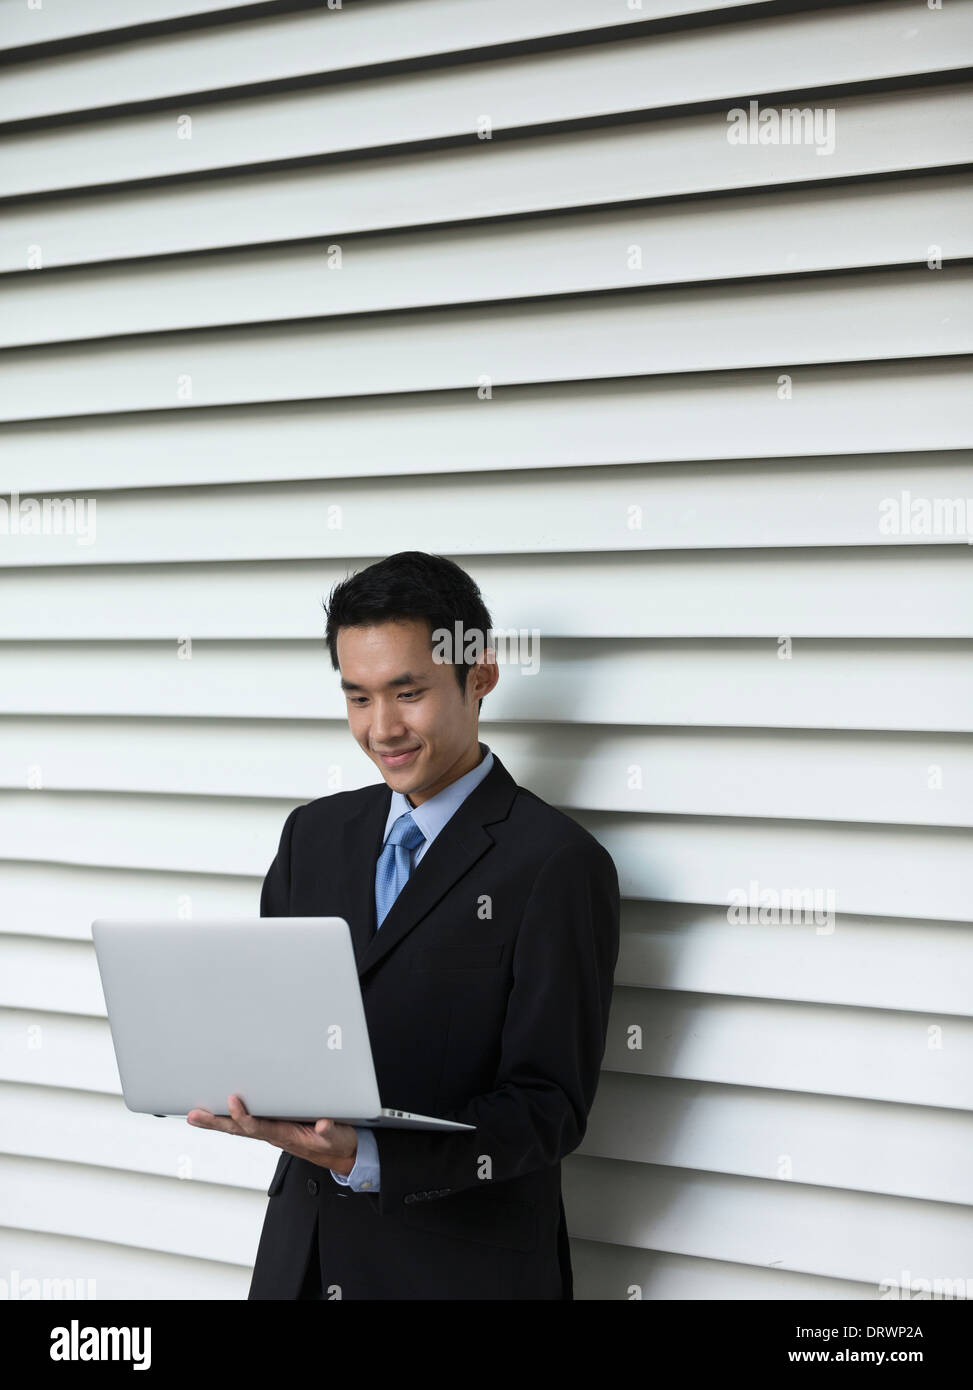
x=485, y=926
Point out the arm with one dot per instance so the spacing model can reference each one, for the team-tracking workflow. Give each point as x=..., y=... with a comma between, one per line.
x=552, y=1044
x=276, y=891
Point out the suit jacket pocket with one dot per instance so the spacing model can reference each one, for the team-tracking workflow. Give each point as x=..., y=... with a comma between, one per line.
x=483, y=957
x=488, y=1217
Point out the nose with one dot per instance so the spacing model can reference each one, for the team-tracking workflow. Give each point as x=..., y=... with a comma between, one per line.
x=387, y=726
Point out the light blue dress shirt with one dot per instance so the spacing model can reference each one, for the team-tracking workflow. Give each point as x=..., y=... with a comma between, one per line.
x=430, y=817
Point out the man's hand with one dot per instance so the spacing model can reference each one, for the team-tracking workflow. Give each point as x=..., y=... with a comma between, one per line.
x=326, y=1143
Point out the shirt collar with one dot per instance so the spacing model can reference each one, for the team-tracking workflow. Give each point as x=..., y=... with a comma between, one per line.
x=433, y=814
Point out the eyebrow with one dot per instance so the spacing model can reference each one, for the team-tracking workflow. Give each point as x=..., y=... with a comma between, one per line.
x=407, y=678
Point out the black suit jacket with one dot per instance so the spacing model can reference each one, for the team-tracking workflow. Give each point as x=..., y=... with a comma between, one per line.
x=486, y=994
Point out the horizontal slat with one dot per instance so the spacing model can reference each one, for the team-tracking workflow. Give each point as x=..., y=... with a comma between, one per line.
x=873, y=870
x=289, y=46
x=182, y=1218
x=875, y=1054
x=21, y=27
x=73, y=1126
x=874, y=592
x=115, y=831
x=60, y=976
x=119, y=1272
x=783, y=1225
x=832, y=776
x=716, y=239
x=816, y=50
x=919, y=686
x=778, y=324
x=60, y=1050
x=778, y=502
x=872, y=962
x=880, y=132
x=864, y=1146
x=604, y=1272
x=57, y=900
x=860, y=407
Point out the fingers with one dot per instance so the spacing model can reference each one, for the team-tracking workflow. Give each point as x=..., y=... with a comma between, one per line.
x=239, y=1120
x=324, y=1139
x=205, y=1119
x=239, y=1113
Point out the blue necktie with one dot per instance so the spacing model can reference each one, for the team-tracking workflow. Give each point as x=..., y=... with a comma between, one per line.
x=395, y=864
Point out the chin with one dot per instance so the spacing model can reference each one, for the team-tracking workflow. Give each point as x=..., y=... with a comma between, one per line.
x=402, y=779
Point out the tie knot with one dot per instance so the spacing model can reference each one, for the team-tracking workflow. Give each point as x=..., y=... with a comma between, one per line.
x=405, y=832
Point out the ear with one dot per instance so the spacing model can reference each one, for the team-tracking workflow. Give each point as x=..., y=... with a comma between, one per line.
x=484, y=675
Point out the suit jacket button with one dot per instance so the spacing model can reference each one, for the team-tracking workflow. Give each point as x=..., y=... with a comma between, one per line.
x=312, y=1186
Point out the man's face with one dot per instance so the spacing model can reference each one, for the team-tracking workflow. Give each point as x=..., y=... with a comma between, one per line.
x=406, y=710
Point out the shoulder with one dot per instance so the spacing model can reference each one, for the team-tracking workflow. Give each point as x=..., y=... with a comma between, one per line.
x=552, y=834
x=328, y=811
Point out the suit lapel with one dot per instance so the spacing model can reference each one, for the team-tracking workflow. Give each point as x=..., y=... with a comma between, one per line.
x=462, y=841
x=360, y=845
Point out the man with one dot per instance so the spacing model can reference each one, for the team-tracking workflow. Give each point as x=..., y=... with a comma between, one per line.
x=485, y=926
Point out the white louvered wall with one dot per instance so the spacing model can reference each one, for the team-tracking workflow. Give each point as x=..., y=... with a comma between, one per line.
x=614, y=389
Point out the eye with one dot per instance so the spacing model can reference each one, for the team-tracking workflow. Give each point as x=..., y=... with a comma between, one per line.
x=407, y=694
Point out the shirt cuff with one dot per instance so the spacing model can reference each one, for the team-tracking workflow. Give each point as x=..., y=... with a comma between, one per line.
x=365, y=1175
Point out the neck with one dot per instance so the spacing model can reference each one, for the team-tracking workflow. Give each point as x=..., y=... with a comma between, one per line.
x=469, y=760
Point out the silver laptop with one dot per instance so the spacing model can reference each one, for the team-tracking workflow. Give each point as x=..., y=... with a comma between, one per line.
x=267, y=1008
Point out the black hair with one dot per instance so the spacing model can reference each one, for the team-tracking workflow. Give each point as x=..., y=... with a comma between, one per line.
x=410, y=584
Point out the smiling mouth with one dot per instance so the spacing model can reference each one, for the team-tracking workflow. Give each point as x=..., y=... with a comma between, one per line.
x=398, y=759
